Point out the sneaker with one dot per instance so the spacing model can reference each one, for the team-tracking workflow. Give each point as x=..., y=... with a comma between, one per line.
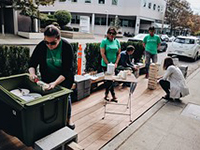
x=167, y=98
x=71, y=126
x=147, y=76
x=106, y=98
x=114, y=99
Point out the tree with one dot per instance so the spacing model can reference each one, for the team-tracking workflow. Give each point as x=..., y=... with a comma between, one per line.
x=116, y=23
x=63, y=17
x=178, y=14
x=30, y=8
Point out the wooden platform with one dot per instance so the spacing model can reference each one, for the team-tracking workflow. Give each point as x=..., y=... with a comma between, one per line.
x=93, y=132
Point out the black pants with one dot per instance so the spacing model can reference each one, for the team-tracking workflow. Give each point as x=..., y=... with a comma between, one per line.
x=109, y=85
x=165, y=86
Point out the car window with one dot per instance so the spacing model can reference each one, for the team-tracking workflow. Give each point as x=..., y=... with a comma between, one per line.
x=184, y=41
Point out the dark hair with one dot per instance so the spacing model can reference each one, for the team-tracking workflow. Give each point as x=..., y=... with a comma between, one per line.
x=51, y=31
x=112, y=29
x=151, y=28
x=130, y=48
x=167, y=62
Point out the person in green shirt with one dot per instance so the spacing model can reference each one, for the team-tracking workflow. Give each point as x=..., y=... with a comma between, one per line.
x=55, y=58
x=110, y=51
x=151, y=44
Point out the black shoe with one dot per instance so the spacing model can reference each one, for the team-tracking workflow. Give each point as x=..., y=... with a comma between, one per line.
x=114, y=100
x=178, y=100
x=106, y=98
x=167, y=98
x=71, y=126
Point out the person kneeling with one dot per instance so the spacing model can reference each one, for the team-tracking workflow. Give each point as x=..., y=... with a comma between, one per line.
x=173, y=81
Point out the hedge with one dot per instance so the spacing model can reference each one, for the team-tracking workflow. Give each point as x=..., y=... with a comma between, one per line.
x=93, y=56
x=13, y=60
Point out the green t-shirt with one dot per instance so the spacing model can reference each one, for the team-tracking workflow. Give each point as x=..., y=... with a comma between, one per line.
x=111, y=50
x=151, y=43
x=54, y=60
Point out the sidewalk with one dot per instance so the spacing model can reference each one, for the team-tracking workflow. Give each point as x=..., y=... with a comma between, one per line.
x=10, y=39
x=166, y=126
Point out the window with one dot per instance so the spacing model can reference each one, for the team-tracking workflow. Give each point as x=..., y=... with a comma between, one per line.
x=144, y=3
x=184, y=41
x=101, y=1
x=158, y=8
x=87, y=1
x=154, y=6
x=75, y=19
x=149, y=6
x=100, y=21
x=62, y=0
x=114, y=2
x=74, y=0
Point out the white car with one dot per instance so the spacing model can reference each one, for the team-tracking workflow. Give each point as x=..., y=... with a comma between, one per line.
x=185, y=46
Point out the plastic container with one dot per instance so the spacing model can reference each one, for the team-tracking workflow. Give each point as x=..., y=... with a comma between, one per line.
x=31, y=121
x=111, y=68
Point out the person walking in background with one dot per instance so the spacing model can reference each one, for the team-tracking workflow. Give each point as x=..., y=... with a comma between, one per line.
x=173, y=81
x=55, y=58
x=151, y=44
x=110, y=51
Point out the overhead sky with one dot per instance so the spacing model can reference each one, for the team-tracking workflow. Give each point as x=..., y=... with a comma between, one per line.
x=195, y=5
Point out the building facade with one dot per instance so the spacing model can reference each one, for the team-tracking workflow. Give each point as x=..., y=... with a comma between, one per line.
x=135, y=15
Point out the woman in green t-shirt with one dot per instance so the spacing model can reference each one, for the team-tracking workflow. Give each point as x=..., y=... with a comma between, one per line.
x=110, y=52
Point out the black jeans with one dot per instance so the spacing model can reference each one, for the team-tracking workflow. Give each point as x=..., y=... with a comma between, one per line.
x=165, y=86
x=109, y=85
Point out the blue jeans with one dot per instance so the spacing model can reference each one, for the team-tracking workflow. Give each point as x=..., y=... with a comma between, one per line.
x=150, y=56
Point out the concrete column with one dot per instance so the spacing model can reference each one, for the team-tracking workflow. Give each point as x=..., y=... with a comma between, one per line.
x=93, y=21
x=36, y=25
x=15, y=21
x=137, y=25
x=2, y=19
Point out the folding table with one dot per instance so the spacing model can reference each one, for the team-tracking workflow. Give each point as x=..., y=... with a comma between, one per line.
x=130, y=78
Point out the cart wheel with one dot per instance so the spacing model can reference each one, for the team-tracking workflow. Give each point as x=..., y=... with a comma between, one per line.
x=103, y=118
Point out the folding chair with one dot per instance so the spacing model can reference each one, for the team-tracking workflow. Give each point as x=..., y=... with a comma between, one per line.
x=128, y=105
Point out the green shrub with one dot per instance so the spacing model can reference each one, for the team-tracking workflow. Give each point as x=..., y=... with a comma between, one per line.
x=139, y=49
x=13, y=60
x=46, y=20
x=75, y=48
x=93, y=56
x=67, y=28
x=63, y=17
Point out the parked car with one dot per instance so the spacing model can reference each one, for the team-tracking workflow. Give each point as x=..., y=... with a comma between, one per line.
x=140, y=37
x=164, y=37
x=172, y=38
x=185, y=46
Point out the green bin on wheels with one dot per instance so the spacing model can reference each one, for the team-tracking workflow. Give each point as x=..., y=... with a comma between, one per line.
x=30, y=121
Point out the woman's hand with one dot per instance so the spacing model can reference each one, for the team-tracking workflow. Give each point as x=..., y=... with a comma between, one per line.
x=115, y=65
x=32, y=77
x=51, y=85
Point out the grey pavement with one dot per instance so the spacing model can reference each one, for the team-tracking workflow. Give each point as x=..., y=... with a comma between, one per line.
x=11, y=39
x=166, y=126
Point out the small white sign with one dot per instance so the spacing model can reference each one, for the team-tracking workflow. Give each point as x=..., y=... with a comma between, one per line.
x=85, y=24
